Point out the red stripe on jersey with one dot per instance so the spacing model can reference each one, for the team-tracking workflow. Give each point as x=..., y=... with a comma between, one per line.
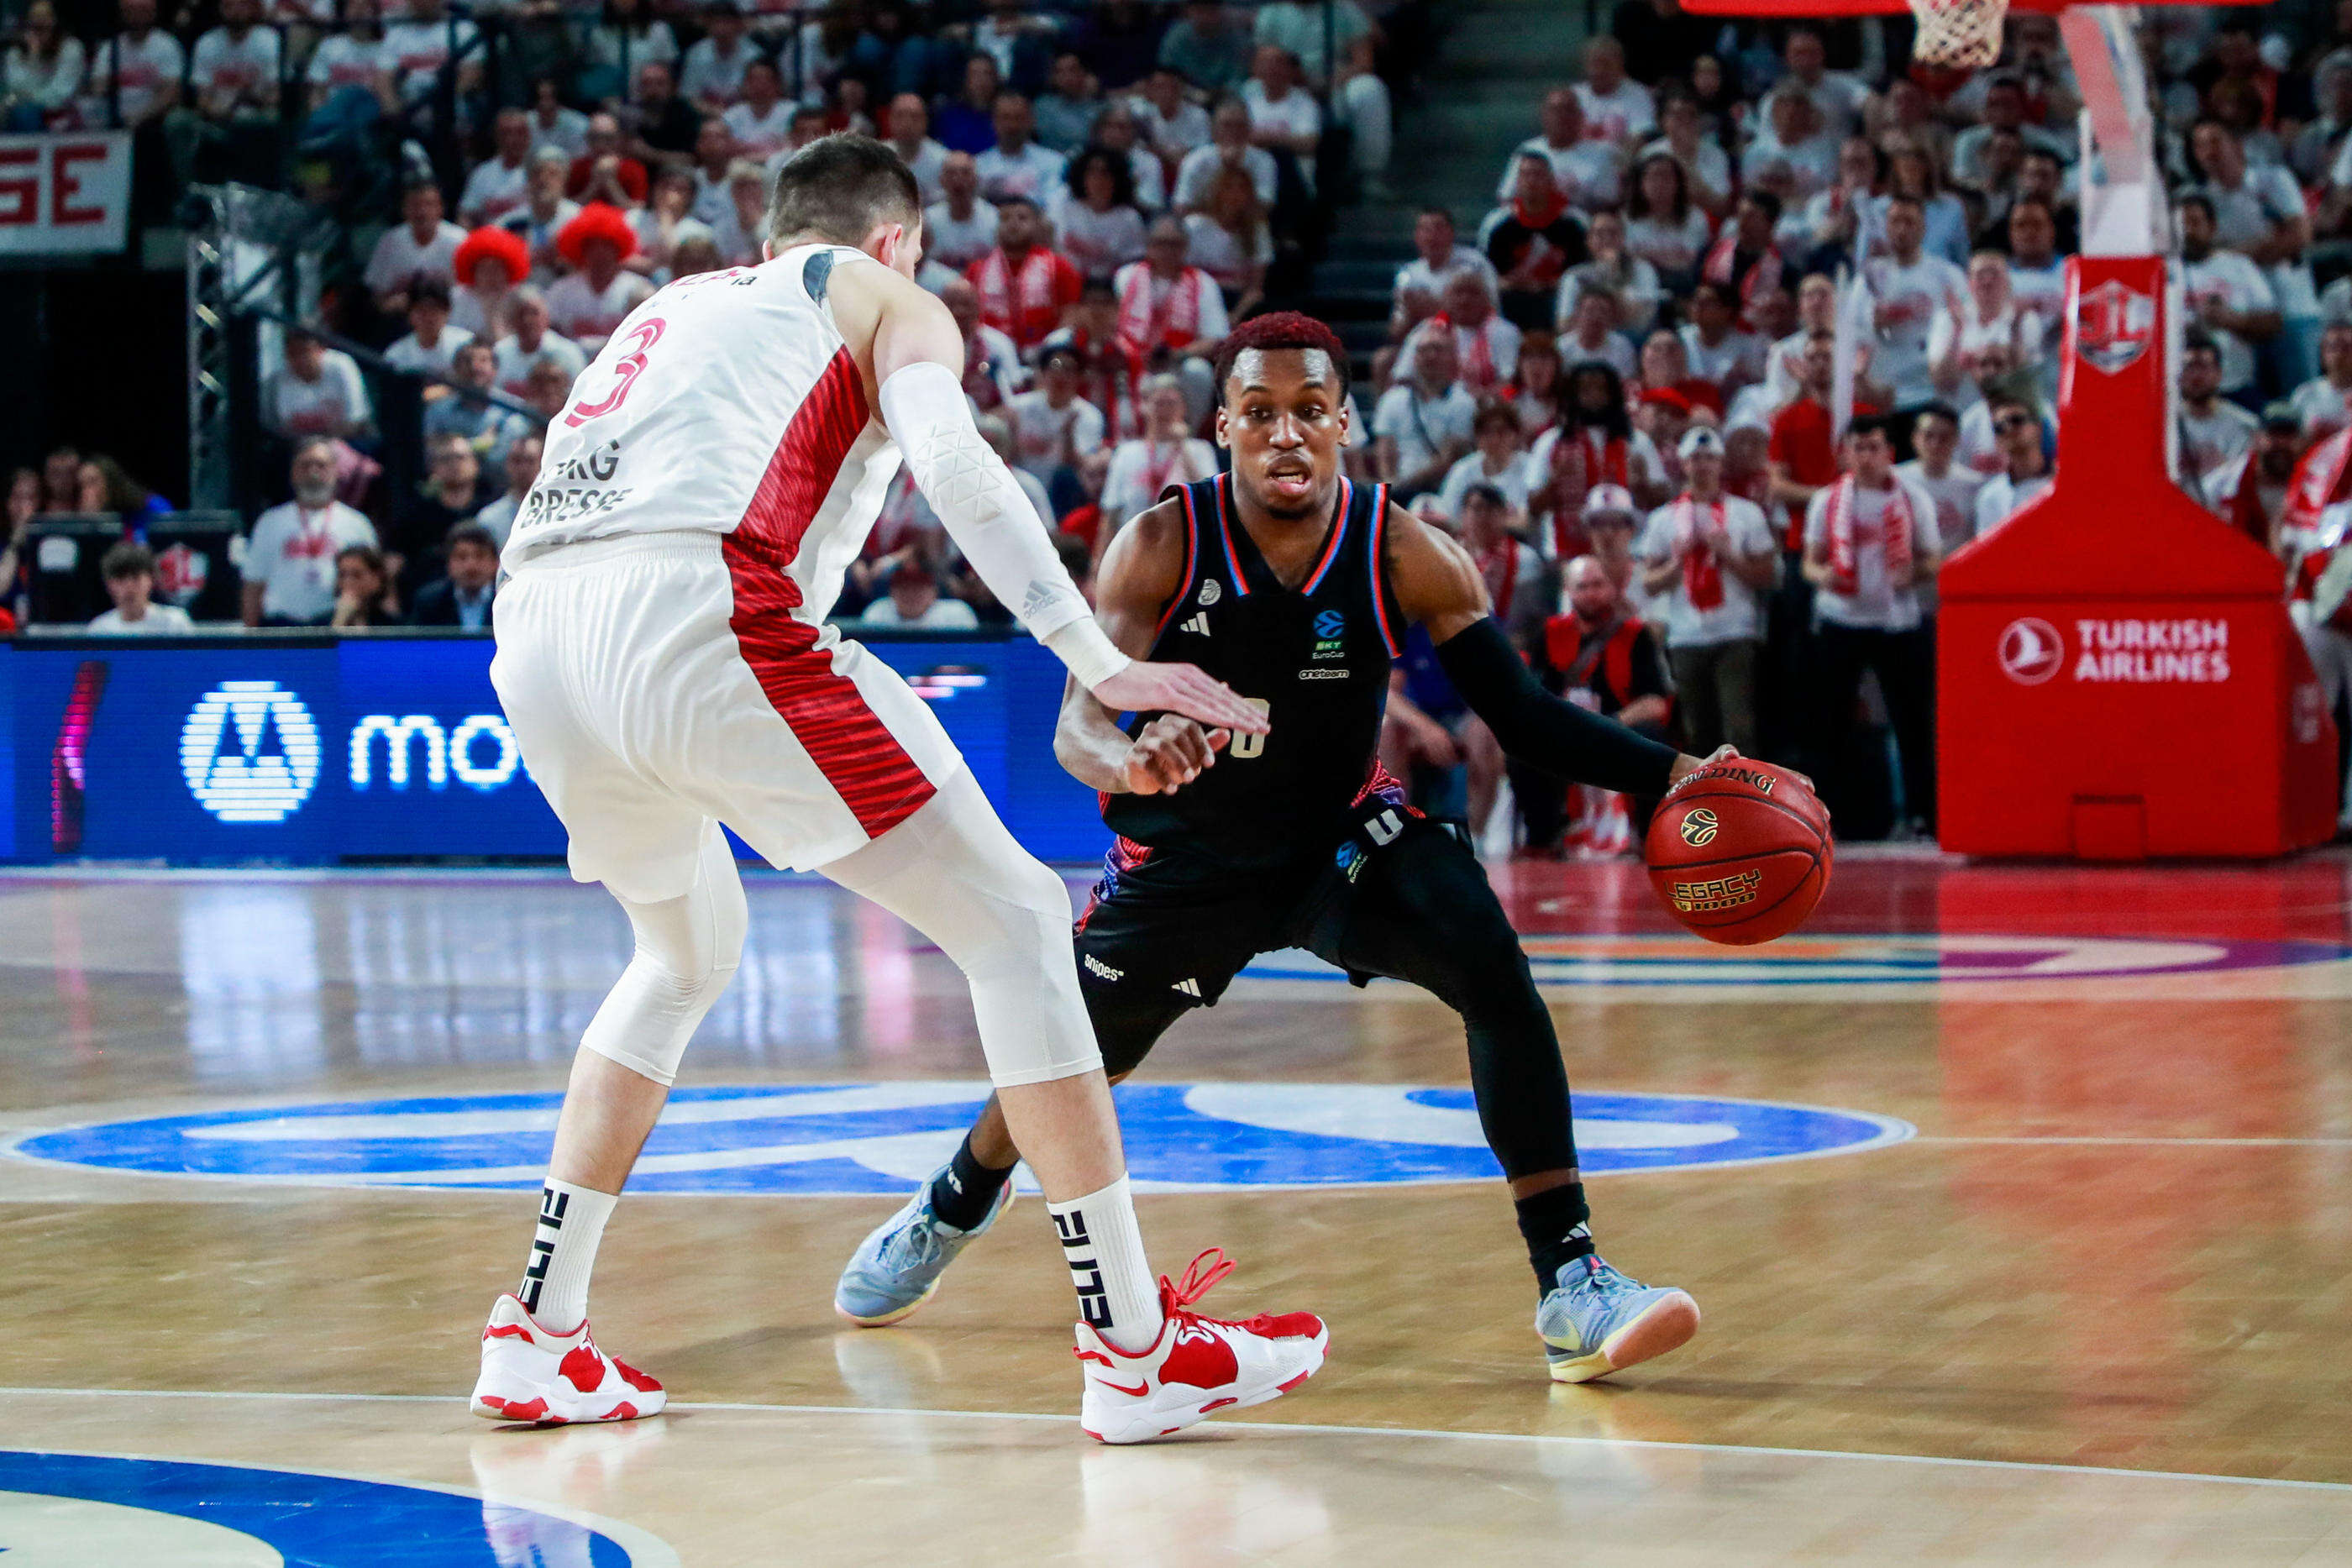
x=848, y=742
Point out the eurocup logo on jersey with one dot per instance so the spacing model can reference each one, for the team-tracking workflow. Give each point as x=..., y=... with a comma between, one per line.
x=2114, y=325
x=249, y=752
x=2031, y=651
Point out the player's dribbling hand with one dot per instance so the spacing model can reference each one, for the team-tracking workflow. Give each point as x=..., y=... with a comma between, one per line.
x=1145, y=687
x=1170, y=753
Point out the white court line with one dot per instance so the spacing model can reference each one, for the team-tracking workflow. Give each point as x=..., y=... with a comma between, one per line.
x=452, y=1401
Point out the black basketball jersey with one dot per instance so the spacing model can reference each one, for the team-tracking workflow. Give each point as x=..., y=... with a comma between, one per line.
x=1315, y=659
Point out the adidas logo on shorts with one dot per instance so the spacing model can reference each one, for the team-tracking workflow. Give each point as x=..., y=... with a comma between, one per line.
x=1189, y=987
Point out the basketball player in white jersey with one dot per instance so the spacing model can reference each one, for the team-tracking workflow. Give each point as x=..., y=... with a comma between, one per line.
x=663, y=661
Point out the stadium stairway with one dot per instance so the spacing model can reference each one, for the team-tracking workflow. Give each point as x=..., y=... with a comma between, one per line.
x=1478, y=99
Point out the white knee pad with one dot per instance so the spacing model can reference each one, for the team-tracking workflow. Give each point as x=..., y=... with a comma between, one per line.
x=954, y=873
x=687, y=950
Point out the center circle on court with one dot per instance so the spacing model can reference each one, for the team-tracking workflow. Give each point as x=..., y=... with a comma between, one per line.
x=814, y=1140
x=68, y=1511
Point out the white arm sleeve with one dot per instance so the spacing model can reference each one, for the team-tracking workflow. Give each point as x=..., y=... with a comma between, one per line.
x=990, y=519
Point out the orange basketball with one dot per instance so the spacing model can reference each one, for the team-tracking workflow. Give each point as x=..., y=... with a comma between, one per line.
x=1739, y=852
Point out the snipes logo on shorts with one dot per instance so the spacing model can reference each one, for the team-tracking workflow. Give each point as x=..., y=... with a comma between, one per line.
x=1722, y=893
x=249, y=752
x=1698, y=827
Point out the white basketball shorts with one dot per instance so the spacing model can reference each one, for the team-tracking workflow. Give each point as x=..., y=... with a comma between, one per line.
x=655, y=682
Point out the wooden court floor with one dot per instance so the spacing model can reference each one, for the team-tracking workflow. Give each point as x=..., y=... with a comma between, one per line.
x=2019, y=1202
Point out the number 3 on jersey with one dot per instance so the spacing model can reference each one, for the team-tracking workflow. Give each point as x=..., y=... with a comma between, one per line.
x=645, y=335
x=1250, y=744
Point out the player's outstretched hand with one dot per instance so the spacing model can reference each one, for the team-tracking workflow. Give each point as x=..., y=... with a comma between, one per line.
x=1144, y=687
x=1686, y=766
x=1170, y=753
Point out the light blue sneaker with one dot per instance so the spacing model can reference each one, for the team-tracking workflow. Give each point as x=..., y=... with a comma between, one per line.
x=896, y=1269
x=1598, y=1322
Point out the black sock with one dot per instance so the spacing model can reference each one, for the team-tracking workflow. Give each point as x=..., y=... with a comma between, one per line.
x=1554, y=1225
x=966, y=1190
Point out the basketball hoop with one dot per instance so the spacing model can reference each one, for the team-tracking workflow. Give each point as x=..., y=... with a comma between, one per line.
x=1964, y=35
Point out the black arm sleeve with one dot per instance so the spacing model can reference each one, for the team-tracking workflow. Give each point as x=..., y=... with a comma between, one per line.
x=1537, y=727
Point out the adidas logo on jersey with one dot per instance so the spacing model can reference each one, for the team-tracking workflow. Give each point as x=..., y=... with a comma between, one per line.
x=1198, y=625
x=1189, y=987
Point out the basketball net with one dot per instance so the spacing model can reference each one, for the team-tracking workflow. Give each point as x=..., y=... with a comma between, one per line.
x=1964, y=35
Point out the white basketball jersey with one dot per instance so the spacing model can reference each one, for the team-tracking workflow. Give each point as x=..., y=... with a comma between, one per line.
x=727, y=404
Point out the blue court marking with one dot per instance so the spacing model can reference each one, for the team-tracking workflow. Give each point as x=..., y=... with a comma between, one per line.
x=310, y=1520
x=842, y=1139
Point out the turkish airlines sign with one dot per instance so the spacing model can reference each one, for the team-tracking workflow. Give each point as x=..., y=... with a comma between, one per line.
x=64, y=195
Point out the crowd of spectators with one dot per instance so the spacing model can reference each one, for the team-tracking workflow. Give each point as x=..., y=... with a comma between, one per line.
x=1616, y=387
x=1619, y=387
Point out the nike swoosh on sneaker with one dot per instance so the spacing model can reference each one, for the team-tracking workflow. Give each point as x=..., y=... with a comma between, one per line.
x=1138, y=1391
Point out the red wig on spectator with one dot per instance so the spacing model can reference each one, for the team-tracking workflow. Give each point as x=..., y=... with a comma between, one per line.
x=502, y=246
x=1280, y=330
x=597, y=220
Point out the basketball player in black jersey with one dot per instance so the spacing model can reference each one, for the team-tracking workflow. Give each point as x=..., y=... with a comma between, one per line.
x=1295, y=587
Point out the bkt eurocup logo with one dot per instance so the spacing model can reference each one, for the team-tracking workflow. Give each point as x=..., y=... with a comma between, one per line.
x=249, y=752
x=2031, y=651
x=1698, y=829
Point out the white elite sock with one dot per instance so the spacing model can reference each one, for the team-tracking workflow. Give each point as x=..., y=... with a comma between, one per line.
x=555, y=1287
x=1116, y=1294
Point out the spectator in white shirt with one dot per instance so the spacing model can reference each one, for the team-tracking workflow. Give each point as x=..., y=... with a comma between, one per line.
x=1489, y=345
x=422, y=42
x=1709, y=558
x=129, y=570
x=1229, y=145
x=432, y=341
x=2004, y=111
x=1616, y=108
x=43, y=72
x=317, y=392
x=1017, y=165
x=1284, y=116
x=2323, y=405
x=1987, y=316
x=1793, y=149
x=555, y=124
x=2024, y=459
x=290, y=561
x=2214, y=431
x=1870, y=541
x=1609, y=266
x=138, y=67
x=2225, y=293
x=1706, y=167
x=1953, y=485
x=908, y=122
x=232, y=73
x=588, y=304
x=1840, y=98
x=712, y=75
x=1119, y=134
x=1172, y=124
x=1662, y=226
x=1359, y=98
x=1715, y=348
x=1100, y=230
x=760, y=117
x=1057, y=435
x=958, y=228
x=531, y=344
x=2259, y=212
x=1591, y=333
x=1909, y=289
x=1425, y=422
x=1590, y=171
x=424, y=244
x=543, y=214
x=993, y=370
x=500, y=183
x=521, y=467
x=913, y=603
x=1498, y=457
x=1166, y=453
x=1438, y=255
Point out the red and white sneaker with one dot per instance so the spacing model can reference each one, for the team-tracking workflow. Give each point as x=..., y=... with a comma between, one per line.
x=1197, y=1366
x=553, y=1379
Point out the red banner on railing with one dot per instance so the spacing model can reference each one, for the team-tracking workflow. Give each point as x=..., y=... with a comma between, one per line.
x=64, y=195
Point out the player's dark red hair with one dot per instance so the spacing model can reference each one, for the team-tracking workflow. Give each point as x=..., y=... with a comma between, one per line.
x=1280, y=330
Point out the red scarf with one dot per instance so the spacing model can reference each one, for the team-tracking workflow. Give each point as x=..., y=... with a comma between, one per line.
x=1607, y=460
x=1147, y=318
x=1764, y=275
x=1535, y=220
x=1899, y=524
x=1500, y=568
x=998, y=306
x=1702, y=578
x=1478, y=372
x=2246, y=510
x=2320, y=481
